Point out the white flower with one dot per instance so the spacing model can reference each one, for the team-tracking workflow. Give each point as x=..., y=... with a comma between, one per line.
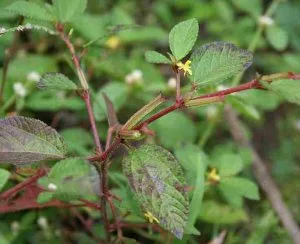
x=2, y=30
x=52, y=187
x=15, y=227
x=135, y=77
x=221, y=87
x=211, y=112
x=42, y=222
x=33, y=76
x=266, y=20
x=172, y=83
x=19, y=89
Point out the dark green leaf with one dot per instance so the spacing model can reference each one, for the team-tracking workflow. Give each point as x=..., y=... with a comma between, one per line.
x=26, y=140
x=217, y=61
x=182, y=38
x=157, y=179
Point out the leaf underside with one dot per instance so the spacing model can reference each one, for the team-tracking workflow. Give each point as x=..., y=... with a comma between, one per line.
x=25, y=140
x=157, y=179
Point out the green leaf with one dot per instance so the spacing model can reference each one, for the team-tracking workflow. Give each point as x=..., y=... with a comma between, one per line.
x=75, y=146
x=229, y=164
x=253, y=7
x=26, y=140
x=56, y=81
x=216, y=213
x=174, y=129
x=156, y=58
x=30, y=10
x=4, y=176
x=240, y=186
x=183, y=37
x=70, y=179
x=277, y=37
x=217, y=61
x=157, y=179
x=117, y=92
x=65, y=10
x=194, y=162
x=50, y=100
x=245, y=109
x=288, y=89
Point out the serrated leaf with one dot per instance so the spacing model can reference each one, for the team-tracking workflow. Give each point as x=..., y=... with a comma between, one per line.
x=277, y=37
x=217, y=61
x=26, y=140
x=183, y=37
x=73, y=178
x=56, y=81
x=4, y=176
x=30, y=10
x=65, y=10
x=288, y=89
x=156, y=58
x=157, y=179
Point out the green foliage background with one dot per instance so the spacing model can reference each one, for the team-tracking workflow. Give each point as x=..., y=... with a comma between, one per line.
x=199, y=138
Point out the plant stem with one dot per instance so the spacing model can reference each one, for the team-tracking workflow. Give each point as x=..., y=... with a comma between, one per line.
x=178, y=95
x=104, y=190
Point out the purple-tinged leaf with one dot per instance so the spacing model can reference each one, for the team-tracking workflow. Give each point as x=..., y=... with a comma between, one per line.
x=26, y=140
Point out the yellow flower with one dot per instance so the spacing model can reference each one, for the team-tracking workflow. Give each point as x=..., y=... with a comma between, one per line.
x=150, y=217
x=186, y=67
x=213, y=176
x=113, y=42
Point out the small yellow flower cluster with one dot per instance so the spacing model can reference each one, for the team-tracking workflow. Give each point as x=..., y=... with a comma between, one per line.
x=150, y=217
x=213, y=176
x=186, y=67
x=113, y=42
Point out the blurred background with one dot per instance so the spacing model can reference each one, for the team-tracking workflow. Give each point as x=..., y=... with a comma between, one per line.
x=121, y=32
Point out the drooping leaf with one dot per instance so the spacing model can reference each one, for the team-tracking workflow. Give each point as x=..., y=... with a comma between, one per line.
x=217, y=61
x=30, y=10
x=111, y=113
x=248, y=110
x=65, y=10
x=56, y=81
x=182, y=38
x=70, y=179
x=288, y=89
x=4, y=176
x=156, y=58
x=26, y=140
x=157, y=179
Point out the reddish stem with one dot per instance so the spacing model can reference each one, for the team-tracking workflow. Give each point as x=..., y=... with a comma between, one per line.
x=14, y=190
x=87, y=100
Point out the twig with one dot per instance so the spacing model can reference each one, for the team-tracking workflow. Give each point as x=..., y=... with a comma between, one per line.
x=263, y=177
